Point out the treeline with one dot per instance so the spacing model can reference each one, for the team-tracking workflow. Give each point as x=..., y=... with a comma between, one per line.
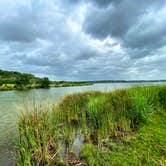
x=69, y=83
x=10, y=80
x=21, y=80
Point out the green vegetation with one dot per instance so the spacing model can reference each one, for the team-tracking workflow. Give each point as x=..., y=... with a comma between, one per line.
x=45, y=83
x=123, y=127
x=10, y=77
x=10, y=80
x=147, y=146
x=68, y=83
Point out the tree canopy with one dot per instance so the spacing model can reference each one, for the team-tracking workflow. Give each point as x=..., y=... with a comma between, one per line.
x=22, y=79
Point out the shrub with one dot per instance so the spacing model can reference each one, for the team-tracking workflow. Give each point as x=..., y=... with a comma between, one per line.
x=44, y=82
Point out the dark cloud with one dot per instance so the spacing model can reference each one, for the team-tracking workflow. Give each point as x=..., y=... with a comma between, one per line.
x=19, y=25
x=149, y=33
x=100, y=3
x=103, y=2
x=125, y=20
x=13, y=31
x=84, y=40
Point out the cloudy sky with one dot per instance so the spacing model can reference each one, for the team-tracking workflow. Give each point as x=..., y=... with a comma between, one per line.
x=84, y=39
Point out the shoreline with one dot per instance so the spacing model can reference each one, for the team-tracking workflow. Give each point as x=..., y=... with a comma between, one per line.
x=8, y=87
x=90, y=126
x=11, y=87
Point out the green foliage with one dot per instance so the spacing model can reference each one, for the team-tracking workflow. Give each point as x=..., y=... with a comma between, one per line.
x=99, y=115
x=124, y=127
x=22, y=80
x=28, y=81
x=38, y=144
x=44, y=82
x=7, y=81
x=146, y=147
x=162, y=97
x=140, y=108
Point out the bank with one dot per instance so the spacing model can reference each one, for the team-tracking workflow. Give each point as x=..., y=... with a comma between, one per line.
x=123, y=127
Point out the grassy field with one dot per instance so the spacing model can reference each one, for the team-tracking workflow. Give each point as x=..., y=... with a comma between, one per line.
x=124, y=127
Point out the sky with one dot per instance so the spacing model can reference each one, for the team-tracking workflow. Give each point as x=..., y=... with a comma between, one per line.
x=84, y=39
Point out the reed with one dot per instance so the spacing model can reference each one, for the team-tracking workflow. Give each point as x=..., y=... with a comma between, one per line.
x=47, y=135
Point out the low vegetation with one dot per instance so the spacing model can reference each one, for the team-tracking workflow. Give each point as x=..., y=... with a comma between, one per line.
x=10, y=80
x=123, y=127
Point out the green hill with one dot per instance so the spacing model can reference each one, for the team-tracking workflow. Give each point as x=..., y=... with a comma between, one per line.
x=16, y=80
x=10, y=80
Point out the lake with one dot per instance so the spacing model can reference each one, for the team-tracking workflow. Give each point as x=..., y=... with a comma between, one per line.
x=11, y=101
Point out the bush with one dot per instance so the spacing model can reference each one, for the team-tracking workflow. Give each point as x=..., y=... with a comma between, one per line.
x=44, y=83
x=22, y=80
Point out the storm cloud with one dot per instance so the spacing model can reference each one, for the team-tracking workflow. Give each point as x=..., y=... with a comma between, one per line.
x=84, y=40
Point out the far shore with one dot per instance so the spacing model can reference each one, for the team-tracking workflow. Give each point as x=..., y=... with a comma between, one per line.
x=8, y=87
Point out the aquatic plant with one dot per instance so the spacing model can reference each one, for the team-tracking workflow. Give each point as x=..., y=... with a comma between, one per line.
x=105, y=121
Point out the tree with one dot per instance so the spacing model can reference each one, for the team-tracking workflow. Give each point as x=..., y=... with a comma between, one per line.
x=44, y=83
x=1, y=82
x=22, y=80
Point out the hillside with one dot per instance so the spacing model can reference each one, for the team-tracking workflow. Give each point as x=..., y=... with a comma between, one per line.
x=11, y=77
x=10, y=80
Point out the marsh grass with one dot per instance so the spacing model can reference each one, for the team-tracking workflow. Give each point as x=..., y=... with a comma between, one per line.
x=38, y=143
x=146, y=147
x=47, y=135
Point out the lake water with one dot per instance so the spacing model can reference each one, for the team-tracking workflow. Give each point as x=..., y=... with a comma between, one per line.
x=10, y=101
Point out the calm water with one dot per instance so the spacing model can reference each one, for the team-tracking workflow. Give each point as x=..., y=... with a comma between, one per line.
x=10, y=101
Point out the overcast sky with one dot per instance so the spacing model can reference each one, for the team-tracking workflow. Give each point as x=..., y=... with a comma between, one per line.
x=84, y=39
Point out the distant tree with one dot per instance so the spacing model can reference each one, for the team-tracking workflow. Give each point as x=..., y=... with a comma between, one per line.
x=1, y=82
x=61, y=82
x=44, y=83
x=22, y=80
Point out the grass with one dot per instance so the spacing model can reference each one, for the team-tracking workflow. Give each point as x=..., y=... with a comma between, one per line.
x=146, y=147
x=7, y=87
x=124, y=127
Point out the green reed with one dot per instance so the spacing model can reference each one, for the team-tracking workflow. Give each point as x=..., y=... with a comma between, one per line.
x=44, y=133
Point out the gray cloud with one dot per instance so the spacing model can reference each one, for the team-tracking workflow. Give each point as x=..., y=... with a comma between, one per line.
x=124, y=20
x=18, y=26
x=104, y=3
x=84, y=40
x=149, y=32
x=113, y=20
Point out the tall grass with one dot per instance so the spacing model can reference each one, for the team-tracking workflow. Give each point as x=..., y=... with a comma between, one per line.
x=38, y=143
x=47, y=136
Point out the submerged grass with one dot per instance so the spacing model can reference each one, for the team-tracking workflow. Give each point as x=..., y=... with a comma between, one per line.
x=124, y=127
